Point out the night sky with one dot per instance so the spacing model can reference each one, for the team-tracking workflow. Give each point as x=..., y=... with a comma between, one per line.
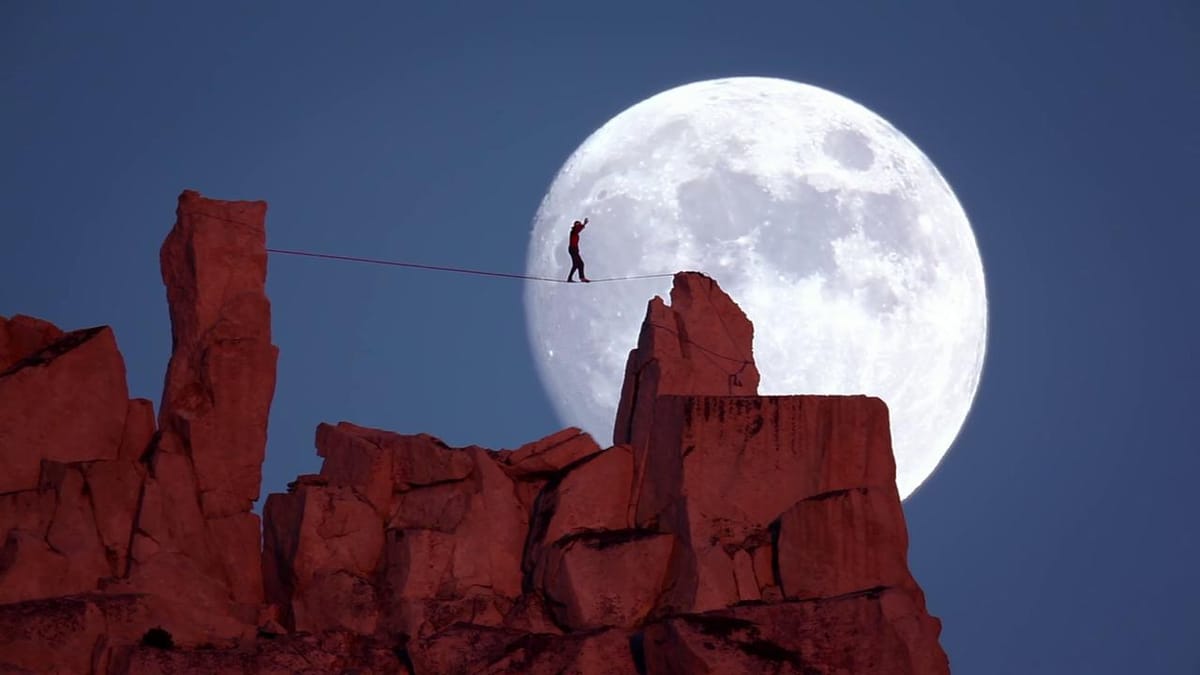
x=1058, y=536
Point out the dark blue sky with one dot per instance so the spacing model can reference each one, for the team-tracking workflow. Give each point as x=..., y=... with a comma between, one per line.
x=1059, y=536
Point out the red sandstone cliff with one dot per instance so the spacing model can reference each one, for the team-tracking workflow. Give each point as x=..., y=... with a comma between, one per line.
x=723, y=532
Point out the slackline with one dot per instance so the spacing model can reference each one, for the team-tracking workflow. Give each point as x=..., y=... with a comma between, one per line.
x=455, y=270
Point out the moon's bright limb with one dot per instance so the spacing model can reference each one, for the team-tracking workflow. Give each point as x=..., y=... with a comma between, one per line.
x=834, y=233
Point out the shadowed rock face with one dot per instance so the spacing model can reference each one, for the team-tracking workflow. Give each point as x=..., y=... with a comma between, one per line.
x=723, y=532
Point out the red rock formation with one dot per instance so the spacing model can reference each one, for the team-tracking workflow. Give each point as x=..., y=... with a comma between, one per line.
x=404, y=534
x=701, y=344
x=78, y=377
x=841, y=542
x=95, y=501
x=784, y=449
x=67, y=491
x=221, y=377
x=578, y=573
x=195, y=538
x=725, y=532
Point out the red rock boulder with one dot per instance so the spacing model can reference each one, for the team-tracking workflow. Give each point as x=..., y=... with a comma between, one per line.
x=582, y=537
x=578, y=573
x=71, y=534
x=323, y=544
x=548, y=456
x=843, y=541
x=66, y=402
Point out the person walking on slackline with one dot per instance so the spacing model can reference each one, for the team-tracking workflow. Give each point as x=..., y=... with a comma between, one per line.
x=573, y=249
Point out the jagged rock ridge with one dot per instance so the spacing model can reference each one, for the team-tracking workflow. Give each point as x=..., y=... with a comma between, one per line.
x=722, y=532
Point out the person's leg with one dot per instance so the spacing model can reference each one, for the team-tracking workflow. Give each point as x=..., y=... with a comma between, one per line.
x=582, y=276
x=576, y=263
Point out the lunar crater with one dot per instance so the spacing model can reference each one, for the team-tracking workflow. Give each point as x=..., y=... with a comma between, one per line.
x=850, y=148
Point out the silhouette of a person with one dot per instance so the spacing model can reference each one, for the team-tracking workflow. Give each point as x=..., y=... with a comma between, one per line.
x=573, y=249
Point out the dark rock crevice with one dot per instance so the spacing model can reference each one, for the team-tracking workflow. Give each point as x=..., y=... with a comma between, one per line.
x=47, y=355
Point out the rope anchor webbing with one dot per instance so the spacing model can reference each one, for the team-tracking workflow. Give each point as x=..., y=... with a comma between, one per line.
x=456, y=270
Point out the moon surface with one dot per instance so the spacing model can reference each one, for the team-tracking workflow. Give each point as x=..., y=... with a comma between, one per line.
x=835, y=234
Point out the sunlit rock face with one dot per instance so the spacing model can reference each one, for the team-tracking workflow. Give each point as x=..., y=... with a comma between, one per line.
x=724, y=532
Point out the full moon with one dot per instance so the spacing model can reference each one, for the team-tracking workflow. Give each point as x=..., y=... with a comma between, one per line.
x=835, y=234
